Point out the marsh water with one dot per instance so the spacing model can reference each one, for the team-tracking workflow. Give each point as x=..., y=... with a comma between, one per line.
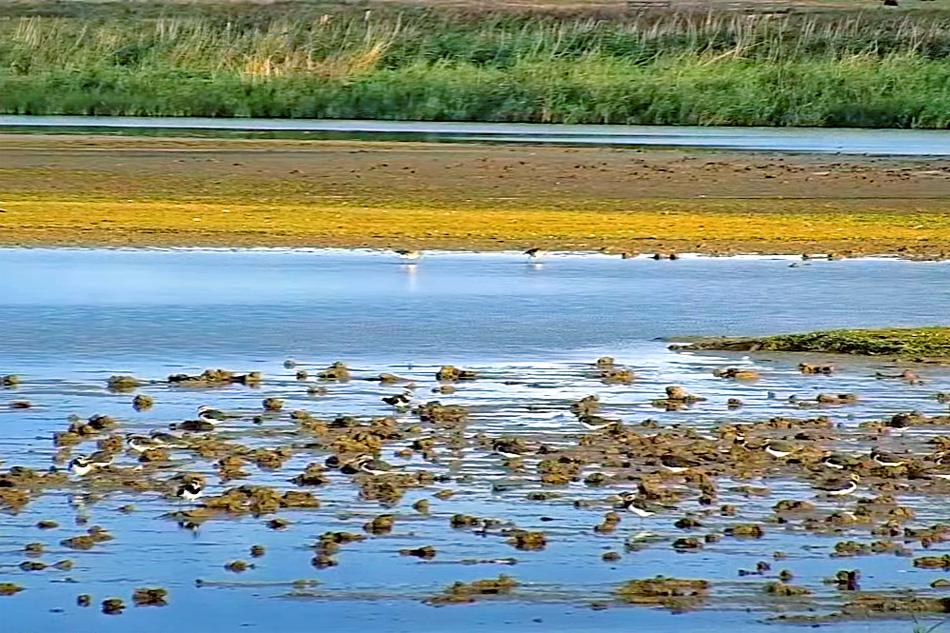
x=884, y=142
x=69, y=319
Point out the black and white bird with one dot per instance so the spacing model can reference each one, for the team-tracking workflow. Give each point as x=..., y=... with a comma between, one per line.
x=506, y=448
x=141, y=443
x=400, y=400
x=83, y=465
x=677, y=463
x=839, y=462
x=595, y=422
x=888, y=460
x=165, y=439
x=638, y=506
x=839, y=486
x=408, y=255
x=366, y=464
x=190, y=490
x=210, y=415
x=535, y=253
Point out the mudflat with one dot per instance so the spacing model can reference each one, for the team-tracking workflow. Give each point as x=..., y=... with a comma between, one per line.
x=137, y=191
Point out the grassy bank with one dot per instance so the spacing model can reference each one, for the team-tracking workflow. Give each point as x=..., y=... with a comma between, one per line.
x=836, y=69
x=905, y=343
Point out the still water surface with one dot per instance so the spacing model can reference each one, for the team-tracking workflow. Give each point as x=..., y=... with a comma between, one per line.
x=820, y=140
x=71, y=318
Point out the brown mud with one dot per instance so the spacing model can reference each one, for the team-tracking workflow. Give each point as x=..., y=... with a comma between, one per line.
x=120, y=191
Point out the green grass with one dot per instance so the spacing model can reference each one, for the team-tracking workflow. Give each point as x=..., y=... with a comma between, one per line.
x=907, y=343
x=841, y=69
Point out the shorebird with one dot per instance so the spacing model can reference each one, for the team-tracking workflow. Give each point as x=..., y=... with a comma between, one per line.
x=595, y=422
x=504, y=447
x=640, y=507
x=408, y=255
x=839, y=462
x=677, y=464
x=164, y=439
x=142, y=443
x=210, y=415
x=888, y=460
x=839, y=487
x=190, y=490
x=535, y=253
x=779, y=449
x=83, y=465
x=365, y=464
x=399, y=401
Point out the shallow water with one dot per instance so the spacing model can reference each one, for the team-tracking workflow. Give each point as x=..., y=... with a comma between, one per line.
x=821, y=140
x=71, y=318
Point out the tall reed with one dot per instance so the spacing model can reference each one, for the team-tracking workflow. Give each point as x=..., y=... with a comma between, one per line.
x=863, y=69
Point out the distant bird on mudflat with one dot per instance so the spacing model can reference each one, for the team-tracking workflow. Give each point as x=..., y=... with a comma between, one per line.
x=210, y=415
x=888, y=460
x=366, y=464
x=535, y=253
x=83, y=465
x=839, y=487
x=399, y=401
x=677, y=464
x=409, y=255
x=190, y=490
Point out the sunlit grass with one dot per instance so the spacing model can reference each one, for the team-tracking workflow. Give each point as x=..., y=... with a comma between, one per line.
x=842, y=69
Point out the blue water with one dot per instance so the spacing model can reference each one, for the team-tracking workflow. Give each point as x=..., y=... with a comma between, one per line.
x=822, y=140
x=71, y=318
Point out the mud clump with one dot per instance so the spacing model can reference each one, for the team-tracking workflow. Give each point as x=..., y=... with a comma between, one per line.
x=736, y=373
x=142, y=403
x=32, y=565
x=464, y=520
x=112, y=606
x=272, y=404
x=781, y=589
x=616, y=375
x=586, y=406
x=13, y=498
x=237, y=566
x=121, y=384
x=672, y=593
x=933, y=562
x=809, y=368
x=436, y=412
x=677, y=398
x=745, y=530
x=383, y=524
x=9, y=589
x=462, y=592
x=426, y=552
x=789, y=506
x=528, y=541
x=313, y=475
x=82, y=542
x=450, y=373
x=336, y=372
x=866, y=605
x=215, y=378
x=150, y=597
